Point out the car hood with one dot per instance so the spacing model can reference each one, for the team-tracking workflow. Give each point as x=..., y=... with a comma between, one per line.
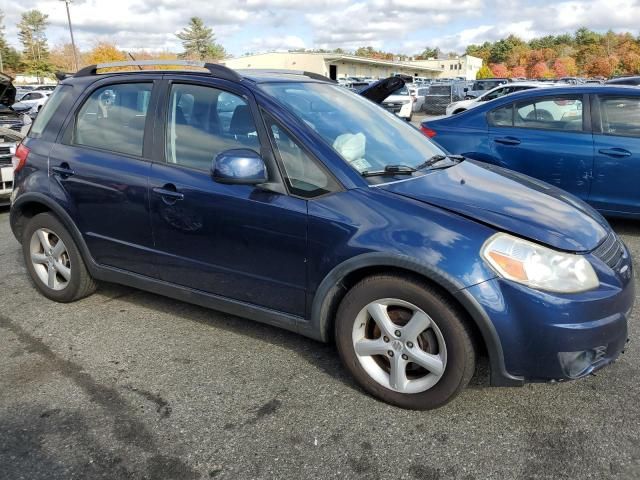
x=510, y=202
x=378, y=91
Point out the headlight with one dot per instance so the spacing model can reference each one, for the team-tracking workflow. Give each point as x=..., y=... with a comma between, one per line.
x=537, y=266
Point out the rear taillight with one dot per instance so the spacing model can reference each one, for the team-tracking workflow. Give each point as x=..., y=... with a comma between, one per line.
x=427, y=131
x=19, y=158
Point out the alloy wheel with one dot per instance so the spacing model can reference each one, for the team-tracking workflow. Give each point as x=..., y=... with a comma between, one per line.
x=399, y=345
x=50, y=259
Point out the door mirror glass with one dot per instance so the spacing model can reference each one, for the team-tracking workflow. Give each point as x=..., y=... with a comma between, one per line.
x=239, y=166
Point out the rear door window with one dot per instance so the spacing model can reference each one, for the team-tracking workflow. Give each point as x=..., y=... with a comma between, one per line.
x=113, y=118
x=559, y=113
x=620, y=116
x=501, y=117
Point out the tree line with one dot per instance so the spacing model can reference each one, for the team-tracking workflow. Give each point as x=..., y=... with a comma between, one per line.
x=583, y=53
x=38, y=59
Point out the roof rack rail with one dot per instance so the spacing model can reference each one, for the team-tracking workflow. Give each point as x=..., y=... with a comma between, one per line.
x=215, y=69
x=312, y=75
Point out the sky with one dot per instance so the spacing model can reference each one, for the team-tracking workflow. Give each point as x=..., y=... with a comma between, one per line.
x=243, y=26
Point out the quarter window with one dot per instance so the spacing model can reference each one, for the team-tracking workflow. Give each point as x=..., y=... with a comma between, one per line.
x=113, y=118
x=560, y=113
x=205, y=121
x=620, y=116
x=501, y=117
x=303, y=175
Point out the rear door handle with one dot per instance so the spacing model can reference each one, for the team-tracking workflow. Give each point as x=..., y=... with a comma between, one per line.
x=63, y=170
x=169, y=194
x=507, y=140
x=615, y=152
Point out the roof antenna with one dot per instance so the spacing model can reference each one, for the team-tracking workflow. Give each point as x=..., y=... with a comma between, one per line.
x=133, y=58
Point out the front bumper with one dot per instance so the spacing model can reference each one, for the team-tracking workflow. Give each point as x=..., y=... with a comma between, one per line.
x=547, y=336
x=6, y=184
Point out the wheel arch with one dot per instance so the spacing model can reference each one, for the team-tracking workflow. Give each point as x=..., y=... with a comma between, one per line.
x=338, y=281
x=31, y=204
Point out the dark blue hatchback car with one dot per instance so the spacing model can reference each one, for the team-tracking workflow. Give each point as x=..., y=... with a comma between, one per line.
x=281, y=197
x=583, y=139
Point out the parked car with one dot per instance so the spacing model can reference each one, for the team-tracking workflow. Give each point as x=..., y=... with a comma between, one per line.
x=481, y=86
x=9, y=117
x=583, y=139
x=497, y=92
x=400, y=102
x=33, y=100
x=419, y=92
x=571, y=80
x=40, y=87
x=633, y=81
x=8, y=141
x=316, y=211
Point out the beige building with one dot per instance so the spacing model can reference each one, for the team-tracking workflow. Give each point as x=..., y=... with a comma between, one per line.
x=331, y=65
x=464, y=66
x=339, y=66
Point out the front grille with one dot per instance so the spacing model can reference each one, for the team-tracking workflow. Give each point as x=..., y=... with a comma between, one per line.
x=393, y=107
x=610, y=251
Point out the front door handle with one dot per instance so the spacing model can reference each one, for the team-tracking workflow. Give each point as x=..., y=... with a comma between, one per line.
x=63, y=170
x=615, y=152
x=507, y=140
x=168, y=193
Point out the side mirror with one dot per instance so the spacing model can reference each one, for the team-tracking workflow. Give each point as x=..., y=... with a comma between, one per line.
x=465, y=90
x=239, y=166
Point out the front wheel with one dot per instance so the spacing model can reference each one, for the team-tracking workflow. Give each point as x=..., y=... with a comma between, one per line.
x=404, y=342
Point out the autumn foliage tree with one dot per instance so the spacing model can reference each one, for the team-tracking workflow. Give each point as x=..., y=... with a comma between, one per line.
x=565, y=67
x=484, y=72
x=540, y=70
x=585, y=52
x=499, y=70
x=518, y=72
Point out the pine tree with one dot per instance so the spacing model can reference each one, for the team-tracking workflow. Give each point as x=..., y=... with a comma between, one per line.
x=199, y=41
x=31, y=32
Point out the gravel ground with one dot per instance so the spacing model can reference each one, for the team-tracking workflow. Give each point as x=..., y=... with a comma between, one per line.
x=126, y=384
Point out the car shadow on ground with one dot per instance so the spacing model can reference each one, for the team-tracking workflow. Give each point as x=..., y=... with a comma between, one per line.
x=321, y=355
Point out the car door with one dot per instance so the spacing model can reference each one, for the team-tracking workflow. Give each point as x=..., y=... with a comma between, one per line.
x=616, y=141
x=242, y=242
x=547, y=137
x=101, y=171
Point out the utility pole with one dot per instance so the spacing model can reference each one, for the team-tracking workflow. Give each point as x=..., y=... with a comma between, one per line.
x=73, y=43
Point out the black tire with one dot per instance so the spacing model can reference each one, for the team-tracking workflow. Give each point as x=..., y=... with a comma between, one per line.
x=80, y=283
x=461, y=354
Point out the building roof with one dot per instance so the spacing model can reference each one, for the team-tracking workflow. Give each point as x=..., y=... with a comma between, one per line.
x=339, y=57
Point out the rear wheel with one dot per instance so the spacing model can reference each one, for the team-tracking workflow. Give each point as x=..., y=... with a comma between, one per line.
x=404, y=342
x=53, y=260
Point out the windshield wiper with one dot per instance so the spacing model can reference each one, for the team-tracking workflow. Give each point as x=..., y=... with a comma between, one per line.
x=438, y=158
x=390, y=170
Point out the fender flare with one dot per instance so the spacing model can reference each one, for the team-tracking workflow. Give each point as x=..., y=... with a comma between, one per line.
x=63, y=216
x=326, y=294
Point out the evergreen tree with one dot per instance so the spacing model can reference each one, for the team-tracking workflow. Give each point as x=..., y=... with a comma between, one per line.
x=199, y=42
x=31, y=32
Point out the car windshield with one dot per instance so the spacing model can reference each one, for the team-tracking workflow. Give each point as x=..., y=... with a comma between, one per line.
x=401, y=91
x=486, y=85
x=368, y=137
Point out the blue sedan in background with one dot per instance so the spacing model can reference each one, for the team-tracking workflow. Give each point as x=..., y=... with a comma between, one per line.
x=585, y=140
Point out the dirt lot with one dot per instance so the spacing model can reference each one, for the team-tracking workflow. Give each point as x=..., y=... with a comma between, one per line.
x=126, y=384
